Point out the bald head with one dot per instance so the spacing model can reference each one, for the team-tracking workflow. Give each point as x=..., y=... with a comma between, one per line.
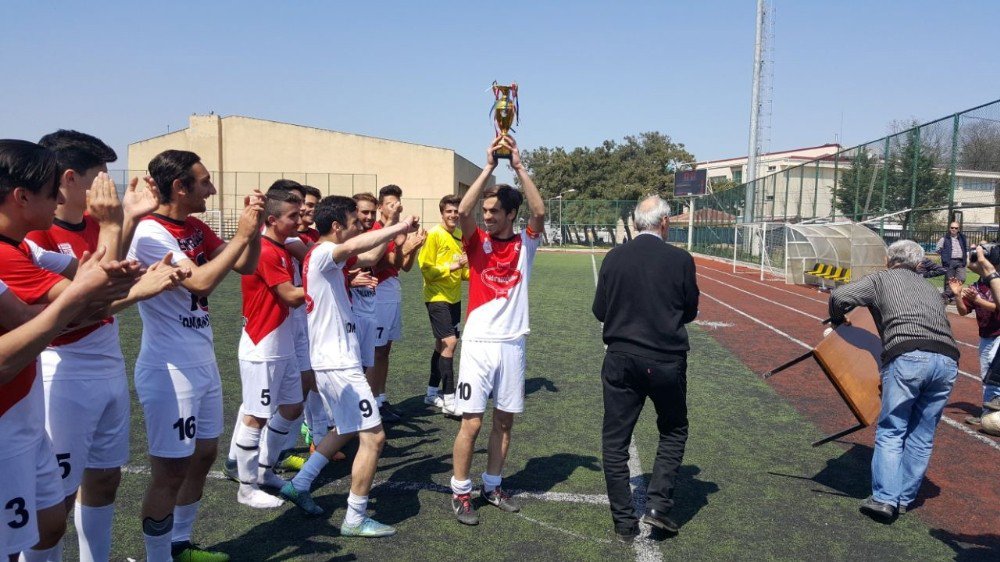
x=650, y=212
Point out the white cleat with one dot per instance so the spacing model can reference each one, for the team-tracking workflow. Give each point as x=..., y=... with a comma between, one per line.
x=257, y=499
x=435, y=401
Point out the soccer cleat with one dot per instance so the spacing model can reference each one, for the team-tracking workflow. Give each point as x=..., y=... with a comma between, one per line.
x=230, y=471
x=434, y=400
x=292, y=463
x=268, y=479
x=302, y=499
x=367, y=528
x=448, y=409
x=187, y=551
x=462, y=506
x=973, y=420
x=252, y=497
x=500, y=499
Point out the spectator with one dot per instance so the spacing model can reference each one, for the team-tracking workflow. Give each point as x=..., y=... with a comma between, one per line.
x=979, y=298
x=953, y=250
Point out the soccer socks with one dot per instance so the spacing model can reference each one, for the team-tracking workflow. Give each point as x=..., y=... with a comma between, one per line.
x=247, y=455
x=435, y=380
x=380, y=399
x=274, y=441
x=356, y=507
x=53, y=554
x=304, y=479
x=236, y=430
x=184, y=516
x=156, y=535
x=447, y=367
x=459, y=487
x=93, y=529
x=316, y=416
x=491, y=482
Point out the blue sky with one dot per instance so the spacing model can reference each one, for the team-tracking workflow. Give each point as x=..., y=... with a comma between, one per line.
x=420, y=71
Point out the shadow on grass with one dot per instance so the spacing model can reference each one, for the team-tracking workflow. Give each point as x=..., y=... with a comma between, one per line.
x=544, y=473
x=969, y=548
x=690, y=495
x=535, y=384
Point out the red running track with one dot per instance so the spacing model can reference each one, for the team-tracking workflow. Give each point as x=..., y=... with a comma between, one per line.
x=766, y=323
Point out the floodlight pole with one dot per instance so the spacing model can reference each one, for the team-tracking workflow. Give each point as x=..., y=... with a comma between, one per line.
x=754, y=148
x=560, y=198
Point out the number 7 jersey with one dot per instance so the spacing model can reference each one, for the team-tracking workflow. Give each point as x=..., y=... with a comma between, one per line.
x=176, y=327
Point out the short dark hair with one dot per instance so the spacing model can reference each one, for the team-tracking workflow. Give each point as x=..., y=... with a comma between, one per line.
x=77, y=151
x=28, y=165
x=359, y=197
x=449, y=200
x=287, y=185
x=312, y=191
x=391, y=189
x=276, y=199
x=171, y=165
x=509, y=197
x=331, y=209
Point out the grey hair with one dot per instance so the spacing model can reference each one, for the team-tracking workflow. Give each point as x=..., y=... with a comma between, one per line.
x=905, y=253
x=649, y=212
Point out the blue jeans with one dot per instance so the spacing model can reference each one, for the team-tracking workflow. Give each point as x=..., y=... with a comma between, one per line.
x=987, y=349
x=915, y=388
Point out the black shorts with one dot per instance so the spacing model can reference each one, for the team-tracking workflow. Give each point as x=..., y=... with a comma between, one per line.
x=445, y=317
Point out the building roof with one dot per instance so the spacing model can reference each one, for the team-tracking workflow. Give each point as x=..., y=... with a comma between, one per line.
x=835, y=146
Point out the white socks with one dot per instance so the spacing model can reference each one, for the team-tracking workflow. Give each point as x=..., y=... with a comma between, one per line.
x=491, y=482
x=304, y=479
x=93, y=529
x=432, y=391
x=184, y=516
x=460, y=487
x=274, y=441
x=247, y=451
x=53, y=554
x=356, y=507
x=380, y=399
x=316, y=417
x=236, y=430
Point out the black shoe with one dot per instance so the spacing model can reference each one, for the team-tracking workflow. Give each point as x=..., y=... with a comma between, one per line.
x=627, y=536
x=388, y=414
x=877, y=510
x=660, y=520
x=901, y=509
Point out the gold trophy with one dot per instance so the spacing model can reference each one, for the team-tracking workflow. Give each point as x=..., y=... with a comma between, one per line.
x=505, y=114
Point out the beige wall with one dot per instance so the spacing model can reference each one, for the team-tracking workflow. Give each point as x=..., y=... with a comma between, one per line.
x=245, y=153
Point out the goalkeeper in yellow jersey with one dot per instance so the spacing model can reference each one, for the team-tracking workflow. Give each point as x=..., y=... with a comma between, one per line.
x=444, y=266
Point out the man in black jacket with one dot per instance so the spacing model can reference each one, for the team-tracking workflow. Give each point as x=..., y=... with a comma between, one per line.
x=953, y=249
x=646, y=293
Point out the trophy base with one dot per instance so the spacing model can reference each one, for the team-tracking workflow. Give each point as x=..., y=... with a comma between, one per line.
x=502, y=154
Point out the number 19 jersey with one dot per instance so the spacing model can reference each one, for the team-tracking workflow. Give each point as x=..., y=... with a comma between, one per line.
x=333, y=341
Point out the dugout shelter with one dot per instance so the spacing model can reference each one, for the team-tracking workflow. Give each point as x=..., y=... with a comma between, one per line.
x=831, y=253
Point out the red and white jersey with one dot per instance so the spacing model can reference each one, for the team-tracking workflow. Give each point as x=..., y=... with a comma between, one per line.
x=499, y=271
x=268, y=333
x=389, y=289
x=309, y=235
x=22, y=402
x=333, y=338
x=176, y=328
x=97, y=341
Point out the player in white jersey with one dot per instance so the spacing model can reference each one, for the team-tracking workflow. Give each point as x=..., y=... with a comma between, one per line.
x=363, y=293
x=333, y=345
x=176, y=376
x=493, y=343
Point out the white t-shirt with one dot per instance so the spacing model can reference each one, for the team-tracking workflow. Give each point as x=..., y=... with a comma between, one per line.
x=176, y=327
x=499, y=271
x=333, y=341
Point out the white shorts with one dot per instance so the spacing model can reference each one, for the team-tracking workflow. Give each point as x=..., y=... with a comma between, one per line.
x=348, y=399
x=301, y=324
x=366, y=331
x=180, y=405
x=269, y=384
x=388, y=322
x=88, y=421
x=491, y=368
x=30, y=483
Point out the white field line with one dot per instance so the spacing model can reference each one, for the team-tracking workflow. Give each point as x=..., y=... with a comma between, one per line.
x=563, y=531
x=946, y=419
x=961, y=372
x=709, y=325
x=645, y=549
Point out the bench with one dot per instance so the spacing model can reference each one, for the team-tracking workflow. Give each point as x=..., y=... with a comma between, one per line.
x=833, y=273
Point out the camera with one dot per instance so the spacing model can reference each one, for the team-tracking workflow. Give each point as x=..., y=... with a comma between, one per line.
x=990, y=251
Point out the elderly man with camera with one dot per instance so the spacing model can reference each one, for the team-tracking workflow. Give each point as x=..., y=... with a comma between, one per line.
x=919, y=367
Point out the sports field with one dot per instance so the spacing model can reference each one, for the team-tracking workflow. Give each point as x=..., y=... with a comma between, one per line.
x=750, y=487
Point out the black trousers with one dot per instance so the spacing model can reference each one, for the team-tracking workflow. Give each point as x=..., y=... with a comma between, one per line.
x=628, y=380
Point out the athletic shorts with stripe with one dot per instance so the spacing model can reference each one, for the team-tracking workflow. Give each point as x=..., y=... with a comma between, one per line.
x=491, y=368
x=269, y=384
x=348, y=399
x=180, y=406
x=31, y=482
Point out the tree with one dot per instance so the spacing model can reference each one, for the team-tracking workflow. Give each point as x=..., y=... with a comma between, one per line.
x=639, y=165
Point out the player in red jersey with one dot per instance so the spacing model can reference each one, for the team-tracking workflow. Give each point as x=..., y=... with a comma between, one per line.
x=493, y=343
x=176, y=375
x=272, y=385
x=87, y=400
x=389, y=294
x=31, y=491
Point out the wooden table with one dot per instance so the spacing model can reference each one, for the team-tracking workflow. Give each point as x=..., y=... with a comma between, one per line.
x=850, y=357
